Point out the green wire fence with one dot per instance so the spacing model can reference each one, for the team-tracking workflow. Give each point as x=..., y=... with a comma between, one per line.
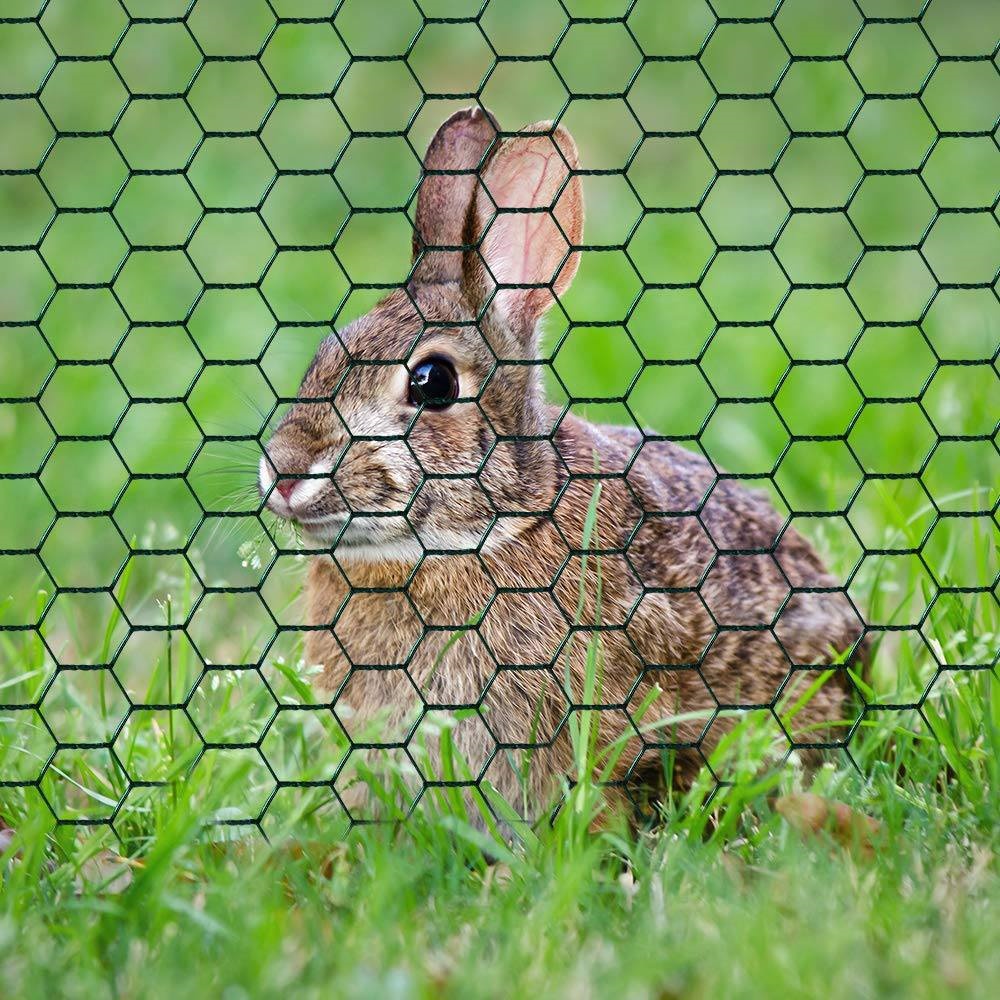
x=790, y=267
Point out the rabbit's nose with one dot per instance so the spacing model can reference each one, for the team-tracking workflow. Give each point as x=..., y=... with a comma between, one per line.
x=286, y=487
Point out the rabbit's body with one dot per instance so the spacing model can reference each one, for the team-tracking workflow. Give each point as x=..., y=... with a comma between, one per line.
x=531, y=642
x=481, y=512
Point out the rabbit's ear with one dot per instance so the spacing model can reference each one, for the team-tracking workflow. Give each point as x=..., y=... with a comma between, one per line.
x=460, y=144
x=527, y=217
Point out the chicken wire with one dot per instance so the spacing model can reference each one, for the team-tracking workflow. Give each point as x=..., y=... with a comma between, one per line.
x=792, y=268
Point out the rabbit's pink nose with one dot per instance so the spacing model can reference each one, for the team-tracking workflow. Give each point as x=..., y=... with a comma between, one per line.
x=286, y=487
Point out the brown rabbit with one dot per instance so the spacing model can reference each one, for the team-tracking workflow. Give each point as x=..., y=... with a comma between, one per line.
x=422, y=461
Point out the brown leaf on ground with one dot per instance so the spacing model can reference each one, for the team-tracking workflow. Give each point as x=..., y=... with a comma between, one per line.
x=809, y=814
x=498, y=874
x=105, y=872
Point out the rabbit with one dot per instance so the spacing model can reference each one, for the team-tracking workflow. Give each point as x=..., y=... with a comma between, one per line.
x=473, y=544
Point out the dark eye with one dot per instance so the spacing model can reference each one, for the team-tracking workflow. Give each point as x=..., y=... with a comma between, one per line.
x=433, y=383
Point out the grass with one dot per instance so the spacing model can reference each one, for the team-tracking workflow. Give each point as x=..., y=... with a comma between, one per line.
x=727, y=898
x=668, y=916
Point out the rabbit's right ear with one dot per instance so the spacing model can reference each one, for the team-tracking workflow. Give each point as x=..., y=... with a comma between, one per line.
x=461, y=144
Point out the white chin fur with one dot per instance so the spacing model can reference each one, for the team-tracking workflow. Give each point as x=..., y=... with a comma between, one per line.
x=405, y=550
x=380, y=539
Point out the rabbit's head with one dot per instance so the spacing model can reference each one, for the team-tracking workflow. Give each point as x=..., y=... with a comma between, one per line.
x=419, y=425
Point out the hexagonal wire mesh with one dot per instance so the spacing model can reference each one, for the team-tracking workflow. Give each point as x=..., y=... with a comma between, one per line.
x=790, y=269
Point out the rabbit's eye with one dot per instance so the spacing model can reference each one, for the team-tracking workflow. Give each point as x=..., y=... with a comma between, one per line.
x=433, y=384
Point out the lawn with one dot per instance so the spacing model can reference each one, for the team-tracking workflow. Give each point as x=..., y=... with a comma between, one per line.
x=792, y=259
x=728, y=898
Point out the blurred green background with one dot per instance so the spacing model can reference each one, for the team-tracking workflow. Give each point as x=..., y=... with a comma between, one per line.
x=185, y=211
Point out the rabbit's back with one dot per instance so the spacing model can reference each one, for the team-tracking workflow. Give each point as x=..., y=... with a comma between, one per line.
x=735, y=608
x=688, y=527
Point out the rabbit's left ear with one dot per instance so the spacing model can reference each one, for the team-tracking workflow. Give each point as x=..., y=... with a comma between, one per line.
x=453, y=158
x=527, y=218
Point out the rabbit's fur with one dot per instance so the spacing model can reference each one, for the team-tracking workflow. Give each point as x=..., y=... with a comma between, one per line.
x=703, y=591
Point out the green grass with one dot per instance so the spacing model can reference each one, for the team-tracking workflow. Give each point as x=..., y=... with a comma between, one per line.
x=391, y=918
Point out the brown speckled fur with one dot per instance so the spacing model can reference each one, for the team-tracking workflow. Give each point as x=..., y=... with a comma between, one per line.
x=674, y=611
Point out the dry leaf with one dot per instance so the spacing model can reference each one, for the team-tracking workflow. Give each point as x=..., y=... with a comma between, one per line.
x=810, y=813
x=105, y=872
x=502, y=873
